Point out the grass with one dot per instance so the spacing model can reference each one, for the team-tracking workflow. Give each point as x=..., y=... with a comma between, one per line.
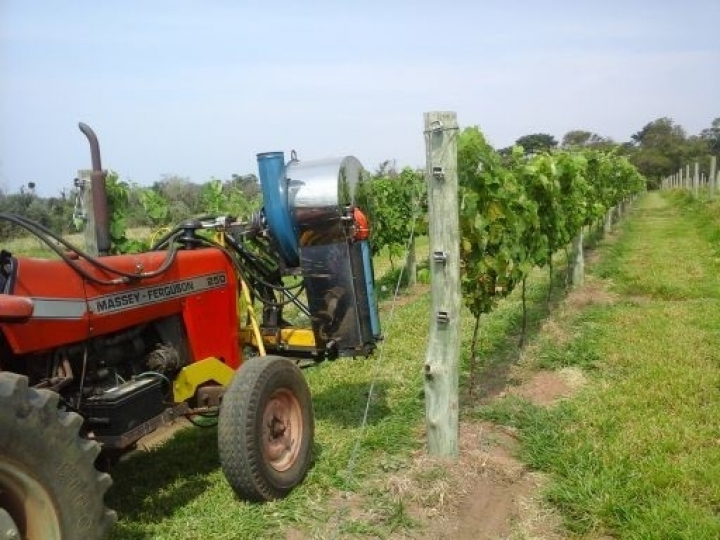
x=30, y=246
x=637, y=453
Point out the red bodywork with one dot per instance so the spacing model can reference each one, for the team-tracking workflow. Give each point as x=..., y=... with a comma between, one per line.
x=200, y=286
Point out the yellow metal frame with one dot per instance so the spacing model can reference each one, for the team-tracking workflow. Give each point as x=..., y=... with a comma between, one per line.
x=199, y=373
x=220, y=239
x=290, y=338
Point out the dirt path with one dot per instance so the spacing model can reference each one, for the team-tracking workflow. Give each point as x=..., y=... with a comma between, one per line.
x=488, y=493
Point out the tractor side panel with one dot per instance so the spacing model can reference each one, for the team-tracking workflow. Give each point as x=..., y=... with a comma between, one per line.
x=211, y=321
x=200, y=285
x=60, y=314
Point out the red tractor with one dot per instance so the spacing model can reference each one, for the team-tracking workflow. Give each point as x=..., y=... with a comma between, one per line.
x=97, y=352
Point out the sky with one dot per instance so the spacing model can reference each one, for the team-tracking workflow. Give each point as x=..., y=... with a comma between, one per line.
x=197, y=88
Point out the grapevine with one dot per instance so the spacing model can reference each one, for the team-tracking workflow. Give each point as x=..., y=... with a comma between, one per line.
x=515, y=213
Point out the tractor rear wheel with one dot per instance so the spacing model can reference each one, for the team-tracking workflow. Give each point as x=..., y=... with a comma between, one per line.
x=49, y=487
x=266, y=429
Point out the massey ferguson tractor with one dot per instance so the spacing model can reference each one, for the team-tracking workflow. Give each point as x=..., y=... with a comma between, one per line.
x=97, y=352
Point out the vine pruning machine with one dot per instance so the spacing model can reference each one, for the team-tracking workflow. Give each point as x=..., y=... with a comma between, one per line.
x=97, y=352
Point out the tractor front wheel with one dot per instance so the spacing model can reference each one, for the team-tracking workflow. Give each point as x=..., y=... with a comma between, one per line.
x=49, y=487
x=266, y=428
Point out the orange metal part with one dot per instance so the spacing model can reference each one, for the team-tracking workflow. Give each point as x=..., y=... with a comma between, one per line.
x=14, y=309
x=200, y=286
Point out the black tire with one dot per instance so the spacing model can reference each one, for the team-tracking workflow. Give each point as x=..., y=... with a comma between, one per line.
x=48, y=482
x=266, y=429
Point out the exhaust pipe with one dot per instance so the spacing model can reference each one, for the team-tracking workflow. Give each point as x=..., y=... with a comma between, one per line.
x=99, y=193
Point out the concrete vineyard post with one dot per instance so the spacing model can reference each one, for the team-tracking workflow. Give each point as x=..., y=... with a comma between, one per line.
x=607, y=222
x=578, y=269
x=712, y=179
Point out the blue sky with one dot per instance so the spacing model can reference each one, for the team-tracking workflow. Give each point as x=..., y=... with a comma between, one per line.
x=196, y=88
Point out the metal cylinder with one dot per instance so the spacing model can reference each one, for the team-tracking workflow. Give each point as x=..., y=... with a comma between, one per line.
x=271, y=166
x=320, y=195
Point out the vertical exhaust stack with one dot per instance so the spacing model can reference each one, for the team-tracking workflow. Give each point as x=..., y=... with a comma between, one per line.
x=99, y=193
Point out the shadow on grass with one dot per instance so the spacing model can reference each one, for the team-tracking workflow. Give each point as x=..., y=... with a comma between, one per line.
x=340, y=404
x=151, y=485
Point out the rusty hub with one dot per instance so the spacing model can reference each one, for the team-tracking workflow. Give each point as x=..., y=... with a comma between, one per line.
x=282, y=430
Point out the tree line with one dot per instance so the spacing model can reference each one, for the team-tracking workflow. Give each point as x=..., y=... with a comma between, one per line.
x=659, y=149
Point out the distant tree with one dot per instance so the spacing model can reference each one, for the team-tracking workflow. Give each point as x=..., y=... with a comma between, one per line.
x=661, y=148
x=387, y=169
x=47, y=212
x=537, y=142
x=246, y=184
x=660, y=133
x=183, y=196
x=626, y=149
x=37, y=211
x=581, y=138
x=712, y=136
x=696, y=148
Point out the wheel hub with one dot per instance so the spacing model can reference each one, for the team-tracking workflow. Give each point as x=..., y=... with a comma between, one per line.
x=282, y=425
x=26, y=508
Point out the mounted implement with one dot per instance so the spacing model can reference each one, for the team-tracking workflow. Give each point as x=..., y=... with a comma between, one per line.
x=98, y=352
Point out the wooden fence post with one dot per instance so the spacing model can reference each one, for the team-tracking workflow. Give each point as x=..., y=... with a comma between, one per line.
x=712, y=179
x=89, y=236
x=443, y=352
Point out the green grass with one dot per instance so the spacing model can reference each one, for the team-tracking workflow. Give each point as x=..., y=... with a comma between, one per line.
x=637, y=453
x=31, y=246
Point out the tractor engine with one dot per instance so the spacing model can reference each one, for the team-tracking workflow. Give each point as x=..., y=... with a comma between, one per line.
x=116, y=381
